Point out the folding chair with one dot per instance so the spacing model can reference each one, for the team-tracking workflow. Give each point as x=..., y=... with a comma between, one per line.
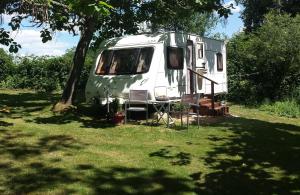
x=189, y=101
x=137, y=102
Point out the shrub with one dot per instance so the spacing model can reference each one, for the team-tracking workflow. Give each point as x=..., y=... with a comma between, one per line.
x=6, y=65
x=44, y=73
x=39, y=73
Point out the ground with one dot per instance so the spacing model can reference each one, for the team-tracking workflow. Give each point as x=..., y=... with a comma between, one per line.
x=73, y=153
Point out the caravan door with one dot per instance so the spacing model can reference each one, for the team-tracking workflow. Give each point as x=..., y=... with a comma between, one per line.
x=200, y=66
x=190, y=63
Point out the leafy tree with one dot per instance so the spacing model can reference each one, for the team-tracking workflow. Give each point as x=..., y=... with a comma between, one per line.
x=95, y=18
x=266, y=64
x=6, y=40
x=198, y=23
x=253, y=14
x=61, y=15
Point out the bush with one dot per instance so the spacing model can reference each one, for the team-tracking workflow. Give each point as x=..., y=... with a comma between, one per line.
x=44, y=73
x=6, y=65
x=38, y=73
x=287, y=108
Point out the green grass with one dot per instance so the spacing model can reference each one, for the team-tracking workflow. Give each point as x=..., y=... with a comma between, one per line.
x=288, y=108
x=75, y=153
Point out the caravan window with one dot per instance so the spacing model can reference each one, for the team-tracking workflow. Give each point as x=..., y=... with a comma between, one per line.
x=219, y=62
x=174, y=58
x=103, y=64
x=200, y=51
x=125, y=61
x=145, y=59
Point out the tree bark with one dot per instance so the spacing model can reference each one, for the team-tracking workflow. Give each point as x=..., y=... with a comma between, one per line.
x=78, y=62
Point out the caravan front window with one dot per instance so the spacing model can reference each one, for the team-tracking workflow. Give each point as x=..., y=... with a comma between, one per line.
x=125, y=61
x=104, y=62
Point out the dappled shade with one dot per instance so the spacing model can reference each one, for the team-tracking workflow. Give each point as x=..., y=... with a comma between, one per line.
x=260, y=158
x=42, y=152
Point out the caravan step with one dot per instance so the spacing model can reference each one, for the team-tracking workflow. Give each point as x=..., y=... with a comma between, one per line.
x=216, y=104
x=217, y=111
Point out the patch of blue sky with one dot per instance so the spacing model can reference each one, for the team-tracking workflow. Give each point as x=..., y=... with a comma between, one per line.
x=29, y=38
x=233, y=24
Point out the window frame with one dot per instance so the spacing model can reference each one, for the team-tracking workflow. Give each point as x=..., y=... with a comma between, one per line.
x=219, y=58
x=136, y=61
x=181, y=63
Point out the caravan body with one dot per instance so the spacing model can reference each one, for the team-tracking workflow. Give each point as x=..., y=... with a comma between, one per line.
x=151, y=60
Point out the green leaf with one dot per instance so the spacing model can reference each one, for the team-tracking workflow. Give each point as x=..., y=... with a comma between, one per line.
x=102, y=3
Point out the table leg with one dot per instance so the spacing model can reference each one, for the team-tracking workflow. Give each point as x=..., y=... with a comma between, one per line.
x=161, y=109
x=168, y=115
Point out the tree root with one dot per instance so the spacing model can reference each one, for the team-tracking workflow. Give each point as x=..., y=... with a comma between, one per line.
x=61, y=107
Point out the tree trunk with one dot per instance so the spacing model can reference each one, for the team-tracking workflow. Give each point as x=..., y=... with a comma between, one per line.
x=78, y=62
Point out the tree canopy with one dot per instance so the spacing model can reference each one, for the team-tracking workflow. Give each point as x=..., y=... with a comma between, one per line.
x=253, y=14
x=96, y=19
x=266, y=64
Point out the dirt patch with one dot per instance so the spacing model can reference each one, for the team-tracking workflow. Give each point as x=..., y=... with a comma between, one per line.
x=204, y=119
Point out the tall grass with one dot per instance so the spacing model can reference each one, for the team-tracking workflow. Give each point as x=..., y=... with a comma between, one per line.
x=287, y=108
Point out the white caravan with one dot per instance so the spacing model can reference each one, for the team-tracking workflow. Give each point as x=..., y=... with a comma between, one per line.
x=147, y=61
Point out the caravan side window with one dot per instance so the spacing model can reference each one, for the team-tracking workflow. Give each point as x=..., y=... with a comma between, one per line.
x=125, y=61
x=174, y=58
x=144, y=60
x=219, y=62
x=200, y=50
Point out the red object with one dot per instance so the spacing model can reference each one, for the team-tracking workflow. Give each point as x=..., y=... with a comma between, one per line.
x=118, y=118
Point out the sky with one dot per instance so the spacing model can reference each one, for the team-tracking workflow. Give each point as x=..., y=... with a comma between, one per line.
x=29, y=38
x=233, y=23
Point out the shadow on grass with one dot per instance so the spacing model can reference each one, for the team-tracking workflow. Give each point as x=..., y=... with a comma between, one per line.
x=123, y=180
x=22, y=104
x=58, y=142
x=11, y=143
x=175, y=158
x=26, y=171
x=37, y=178
x=5, y=124
x=260, y=158
x=74, y=117
x=257, y=158
x=16, y=150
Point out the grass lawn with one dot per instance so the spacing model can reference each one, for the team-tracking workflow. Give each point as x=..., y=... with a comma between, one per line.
x=73, y=153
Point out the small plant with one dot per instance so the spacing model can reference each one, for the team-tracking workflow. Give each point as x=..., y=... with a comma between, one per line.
x=115, y=106
x=178, y=107
x=115, y=111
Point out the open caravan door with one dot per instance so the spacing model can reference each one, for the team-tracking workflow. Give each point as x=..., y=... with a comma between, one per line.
x=190, y=64
x=200, y=66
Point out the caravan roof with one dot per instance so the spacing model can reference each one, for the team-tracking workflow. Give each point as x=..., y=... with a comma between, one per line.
x=146, y=39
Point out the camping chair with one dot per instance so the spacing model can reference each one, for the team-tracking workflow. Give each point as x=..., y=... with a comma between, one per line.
x=190, y=102
x=137, y=102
